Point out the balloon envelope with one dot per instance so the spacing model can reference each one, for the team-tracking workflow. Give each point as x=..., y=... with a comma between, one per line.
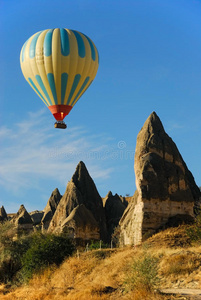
x=59, y=64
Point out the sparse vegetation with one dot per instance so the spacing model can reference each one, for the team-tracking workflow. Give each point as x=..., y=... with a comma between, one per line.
x=194, y=231
x=11, y=250
x=98, y=245
x=21, y=257
x=116, y=237
x=143, y=273
x=167, y=259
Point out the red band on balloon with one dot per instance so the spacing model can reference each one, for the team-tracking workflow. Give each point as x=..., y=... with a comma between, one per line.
x=60, y=111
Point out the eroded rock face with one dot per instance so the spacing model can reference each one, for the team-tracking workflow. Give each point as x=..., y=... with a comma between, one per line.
x=3, y=214
x=50, y=208
x=165, y=186
x=36, y=216
x=23, y=220
x=80, y=190
x=81, y=224
x=114, y=209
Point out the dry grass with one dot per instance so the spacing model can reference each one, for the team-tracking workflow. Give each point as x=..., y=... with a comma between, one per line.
x=100, y=275
x=88, y=277
x=171, y=238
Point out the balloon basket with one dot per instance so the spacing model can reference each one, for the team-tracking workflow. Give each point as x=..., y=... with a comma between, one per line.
x=61, y=125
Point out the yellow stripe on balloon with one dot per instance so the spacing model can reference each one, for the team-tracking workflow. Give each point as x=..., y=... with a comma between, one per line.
x=88, y=60
x=41, y=67
x=73, y=60
x=30, y=70
x=91, y=74
x=26, y=64
x=56, y=62
x=81, y=63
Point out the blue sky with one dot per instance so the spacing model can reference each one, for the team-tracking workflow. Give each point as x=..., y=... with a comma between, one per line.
x=150, y=60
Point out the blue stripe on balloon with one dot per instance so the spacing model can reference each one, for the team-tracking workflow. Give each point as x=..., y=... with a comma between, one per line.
x=81, y=89
x=65, y=46
x=80, y=44
x=48, y=43
x=74, y=86
x=93, y=52
x=36, y=89
x=50, y=78
x=64, y=80
x=32, y=49
x=41, y=84
x=23, y=50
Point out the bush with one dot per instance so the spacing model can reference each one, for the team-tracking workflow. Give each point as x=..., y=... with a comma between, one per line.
x=143, y=274
x=22, y=257
x=194, y=231
x=7, y=233
x=45, y=250
x=11, y=251
x=97, y=245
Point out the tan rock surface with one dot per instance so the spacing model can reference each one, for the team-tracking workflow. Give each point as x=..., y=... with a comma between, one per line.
x=50, y=208
x=165, y=186
x=81, y=224
x=23, y=220
x=80, y=190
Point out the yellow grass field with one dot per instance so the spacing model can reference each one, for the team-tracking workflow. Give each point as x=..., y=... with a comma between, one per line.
x=102, y=274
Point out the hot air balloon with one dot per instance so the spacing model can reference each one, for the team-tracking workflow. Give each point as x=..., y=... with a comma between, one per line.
x=59, y=64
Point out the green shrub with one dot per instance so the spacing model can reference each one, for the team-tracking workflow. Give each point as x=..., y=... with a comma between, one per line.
x=21, y=257
x=45, y=250
x=10, y=261
x=11, y=251
x=7, y=233
x=194, y=231
x=97, y=245
x=143, y=273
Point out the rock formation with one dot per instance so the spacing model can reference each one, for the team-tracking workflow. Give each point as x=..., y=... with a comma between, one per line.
x=81, y=225
x=23, y=220
x=3, y=214
x=165, y=186
x=50, y=208
x=36, y=217
x=114, y=209
x=80, y=190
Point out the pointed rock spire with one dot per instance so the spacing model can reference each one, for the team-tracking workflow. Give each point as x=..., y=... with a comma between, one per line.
x=23, y=221
x=3, y=214
x=114, y=209
x=165, y=186
x=80, y=190
x=23, y=217
x=159, y=167
x=50, y=208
